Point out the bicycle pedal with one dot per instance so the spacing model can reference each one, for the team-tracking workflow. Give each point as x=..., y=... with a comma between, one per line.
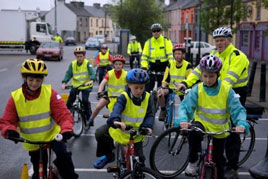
x=112, y=169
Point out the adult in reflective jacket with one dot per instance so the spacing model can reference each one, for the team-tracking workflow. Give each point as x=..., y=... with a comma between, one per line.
x=235, y=74
x=134, y=50
x=39, y=114
x=81, y=73
x=58, y=38
x=156, y=53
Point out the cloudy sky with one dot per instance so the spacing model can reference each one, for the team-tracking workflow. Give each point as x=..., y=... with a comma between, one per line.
x=42, y=4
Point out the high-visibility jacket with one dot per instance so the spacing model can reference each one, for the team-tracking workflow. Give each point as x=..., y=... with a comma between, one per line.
x=159, y=49
x=115, y=86
x=58, y=38
x=104, y=59
x=131, y=115
x=134, y=47
x=176, y=74
x=213, y=116
x=234, y=70
x=35, y=122
x=81, y=75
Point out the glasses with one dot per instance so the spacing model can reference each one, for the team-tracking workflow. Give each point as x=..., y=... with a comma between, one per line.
x=158, y=30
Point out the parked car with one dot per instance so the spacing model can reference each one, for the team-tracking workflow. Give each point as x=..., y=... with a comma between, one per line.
x=92, y=42
x=101, y=38
x=205, y=48
x=50, y=50
x=70, y=41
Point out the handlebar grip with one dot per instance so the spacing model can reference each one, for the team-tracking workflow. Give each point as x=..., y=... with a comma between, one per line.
x=58, y=137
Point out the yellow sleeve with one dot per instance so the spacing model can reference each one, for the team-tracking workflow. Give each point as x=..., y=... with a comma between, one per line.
x=193, y=77
x=140, y=49
x=165, y=75
x=128, y=49
x=169, y=49
x=145, y=55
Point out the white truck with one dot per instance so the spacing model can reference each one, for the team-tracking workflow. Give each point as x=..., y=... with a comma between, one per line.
x=22, y=31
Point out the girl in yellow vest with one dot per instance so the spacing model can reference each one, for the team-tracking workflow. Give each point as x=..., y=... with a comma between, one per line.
x=39, y=113
x=176, y=71
x=133, y=108
x=211, y=104
x=81, y=73
x=116, y=82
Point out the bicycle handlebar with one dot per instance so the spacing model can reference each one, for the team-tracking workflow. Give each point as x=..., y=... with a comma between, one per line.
x=58, y=138
x=130, y=129
x=195, y=128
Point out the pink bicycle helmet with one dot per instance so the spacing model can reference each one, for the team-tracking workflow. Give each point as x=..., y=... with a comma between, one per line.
x=210, y=63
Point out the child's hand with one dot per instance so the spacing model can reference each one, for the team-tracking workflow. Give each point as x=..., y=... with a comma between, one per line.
x=180, y=86
x=63, y=86
x=121, y=124
x=150, y=131
x=185, y=125
x=89, y=83
x=239, y=129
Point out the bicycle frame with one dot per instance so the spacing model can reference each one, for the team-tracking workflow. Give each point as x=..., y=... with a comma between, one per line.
x=171, y=110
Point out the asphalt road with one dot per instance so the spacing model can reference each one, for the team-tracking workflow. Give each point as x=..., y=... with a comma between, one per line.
x=12, y=157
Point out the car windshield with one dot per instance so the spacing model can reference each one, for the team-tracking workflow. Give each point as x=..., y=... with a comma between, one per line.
x=92, y=40
x=50, y=45
x=69, y=38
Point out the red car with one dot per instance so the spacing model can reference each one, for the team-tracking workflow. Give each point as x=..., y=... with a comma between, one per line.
x=50, y=50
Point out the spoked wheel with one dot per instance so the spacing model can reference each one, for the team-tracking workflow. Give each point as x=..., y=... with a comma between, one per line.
x=169, y=153
x=78, y=123
x=247, y=145
x=140, y=174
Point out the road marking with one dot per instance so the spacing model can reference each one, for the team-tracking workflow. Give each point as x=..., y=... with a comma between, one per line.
x=4, y=69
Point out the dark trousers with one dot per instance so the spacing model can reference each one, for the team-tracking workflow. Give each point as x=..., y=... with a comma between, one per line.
x=132, y=58
x=153, y=78
x=105, y=144
x=63, y=161
x=195, y=139
x=102, y=71
x=233, y=141
x=86, y=103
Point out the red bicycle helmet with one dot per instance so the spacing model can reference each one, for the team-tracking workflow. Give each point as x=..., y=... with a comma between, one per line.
x=120, y=58
x=179, y=47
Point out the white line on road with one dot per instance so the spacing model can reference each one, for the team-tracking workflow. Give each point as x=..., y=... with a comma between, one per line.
x=4, y=69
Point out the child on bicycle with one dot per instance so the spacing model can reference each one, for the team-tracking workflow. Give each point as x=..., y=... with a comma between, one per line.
x=40, y=114
x=133, y=107
x=176, y=71
x=211, y=104
x=103, y=60
x=81, y=73
x=116, y=82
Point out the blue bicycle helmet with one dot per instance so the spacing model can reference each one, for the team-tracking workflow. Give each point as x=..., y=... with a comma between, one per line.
x=137, y=76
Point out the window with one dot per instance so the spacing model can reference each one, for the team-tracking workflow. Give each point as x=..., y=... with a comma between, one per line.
x=91, y=22
x=97, y=23
x=245, y=38
x=102, y=22
x=206, y=45
x=201, y=45
x=41, y=28
x=258, y=7
x=80, y=22
x=257, y=40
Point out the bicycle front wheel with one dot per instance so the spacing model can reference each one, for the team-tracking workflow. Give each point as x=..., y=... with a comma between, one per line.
x=78, y=122
x=169, y=153
x=247, y=145
x=141, y=172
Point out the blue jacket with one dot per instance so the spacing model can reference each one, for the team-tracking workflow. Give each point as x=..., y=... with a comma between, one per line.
x=119, y=106
x=189, y=104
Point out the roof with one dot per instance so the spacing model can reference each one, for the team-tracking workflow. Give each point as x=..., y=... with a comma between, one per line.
x=95, y=12
x=177, y=5
x=191, y=3
x=78, y=8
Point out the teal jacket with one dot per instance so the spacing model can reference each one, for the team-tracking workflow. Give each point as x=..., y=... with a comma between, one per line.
x=189, y=104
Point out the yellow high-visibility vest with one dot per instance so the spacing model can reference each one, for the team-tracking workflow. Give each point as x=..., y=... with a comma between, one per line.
x=80, y=74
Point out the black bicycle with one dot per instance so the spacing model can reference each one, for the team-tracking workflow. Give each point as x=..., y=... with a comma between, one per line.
x=78, y=113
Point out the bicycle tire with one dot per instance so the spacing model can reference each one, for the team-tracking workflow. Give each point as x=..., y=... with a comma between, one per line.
x=78, y=122
x=247, y=147
x=169, y=153
x=144, y=172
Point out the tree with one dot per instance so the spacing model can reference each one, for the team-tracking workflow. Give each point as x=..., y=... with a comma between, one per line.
x=216, y=13
x=138, y=16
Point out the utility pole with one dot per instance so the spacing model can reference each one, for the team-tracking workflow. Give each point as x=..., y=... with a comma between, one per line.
x=56, y=17
x=231, y=22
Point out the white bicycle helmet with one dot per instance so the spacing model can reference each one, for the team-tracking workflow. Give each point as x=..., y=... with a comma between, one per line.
x=222, y=32
x=156, y=26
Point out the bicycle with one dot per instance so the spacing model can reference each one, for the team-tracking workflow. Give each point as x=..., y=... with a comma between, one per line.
x=52, y=174
x=128, y=164
x=136, y=63
x=78, y=113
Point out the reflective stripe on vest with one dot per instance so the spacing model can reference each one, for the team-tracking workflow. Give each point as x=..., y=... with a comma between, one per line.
x=132, y=115
x=213, y=116
x=104, y=59
x=35, y=122
x=80, y=74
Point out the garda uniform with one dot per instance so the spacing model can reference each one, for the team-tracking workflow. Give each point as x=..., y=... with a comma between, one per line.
x=131, y=115
x=234, y=70
x=115, y=86
x=134, y=47
x=35, y=124
x=58, y=39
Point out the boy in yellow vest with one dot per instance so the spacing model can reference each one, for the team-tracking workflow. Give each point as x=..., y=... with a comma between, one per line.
x=212, y=104
x=133, y=108
x=40, y=114
x=81, y=73
x=103, y=61
x=116, y=82
x=176, y=71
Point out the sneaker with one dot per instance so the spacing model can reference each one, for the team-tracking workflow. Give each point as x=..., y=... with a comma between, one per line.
x=103, y=161
x=162, y=115
x=230, y=173
x=91, y=122
x=192, y=169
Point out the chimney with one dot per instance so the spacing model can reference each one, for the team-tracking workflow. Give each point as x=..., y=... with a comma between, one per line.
x=77, y=4
x=97, y=5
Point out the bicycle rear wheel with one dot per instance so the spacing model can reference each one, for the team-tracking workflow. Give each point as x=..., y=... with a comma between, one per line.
x=78, y=122
x=141, y=172
x=169, y=153
x=247, y=145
